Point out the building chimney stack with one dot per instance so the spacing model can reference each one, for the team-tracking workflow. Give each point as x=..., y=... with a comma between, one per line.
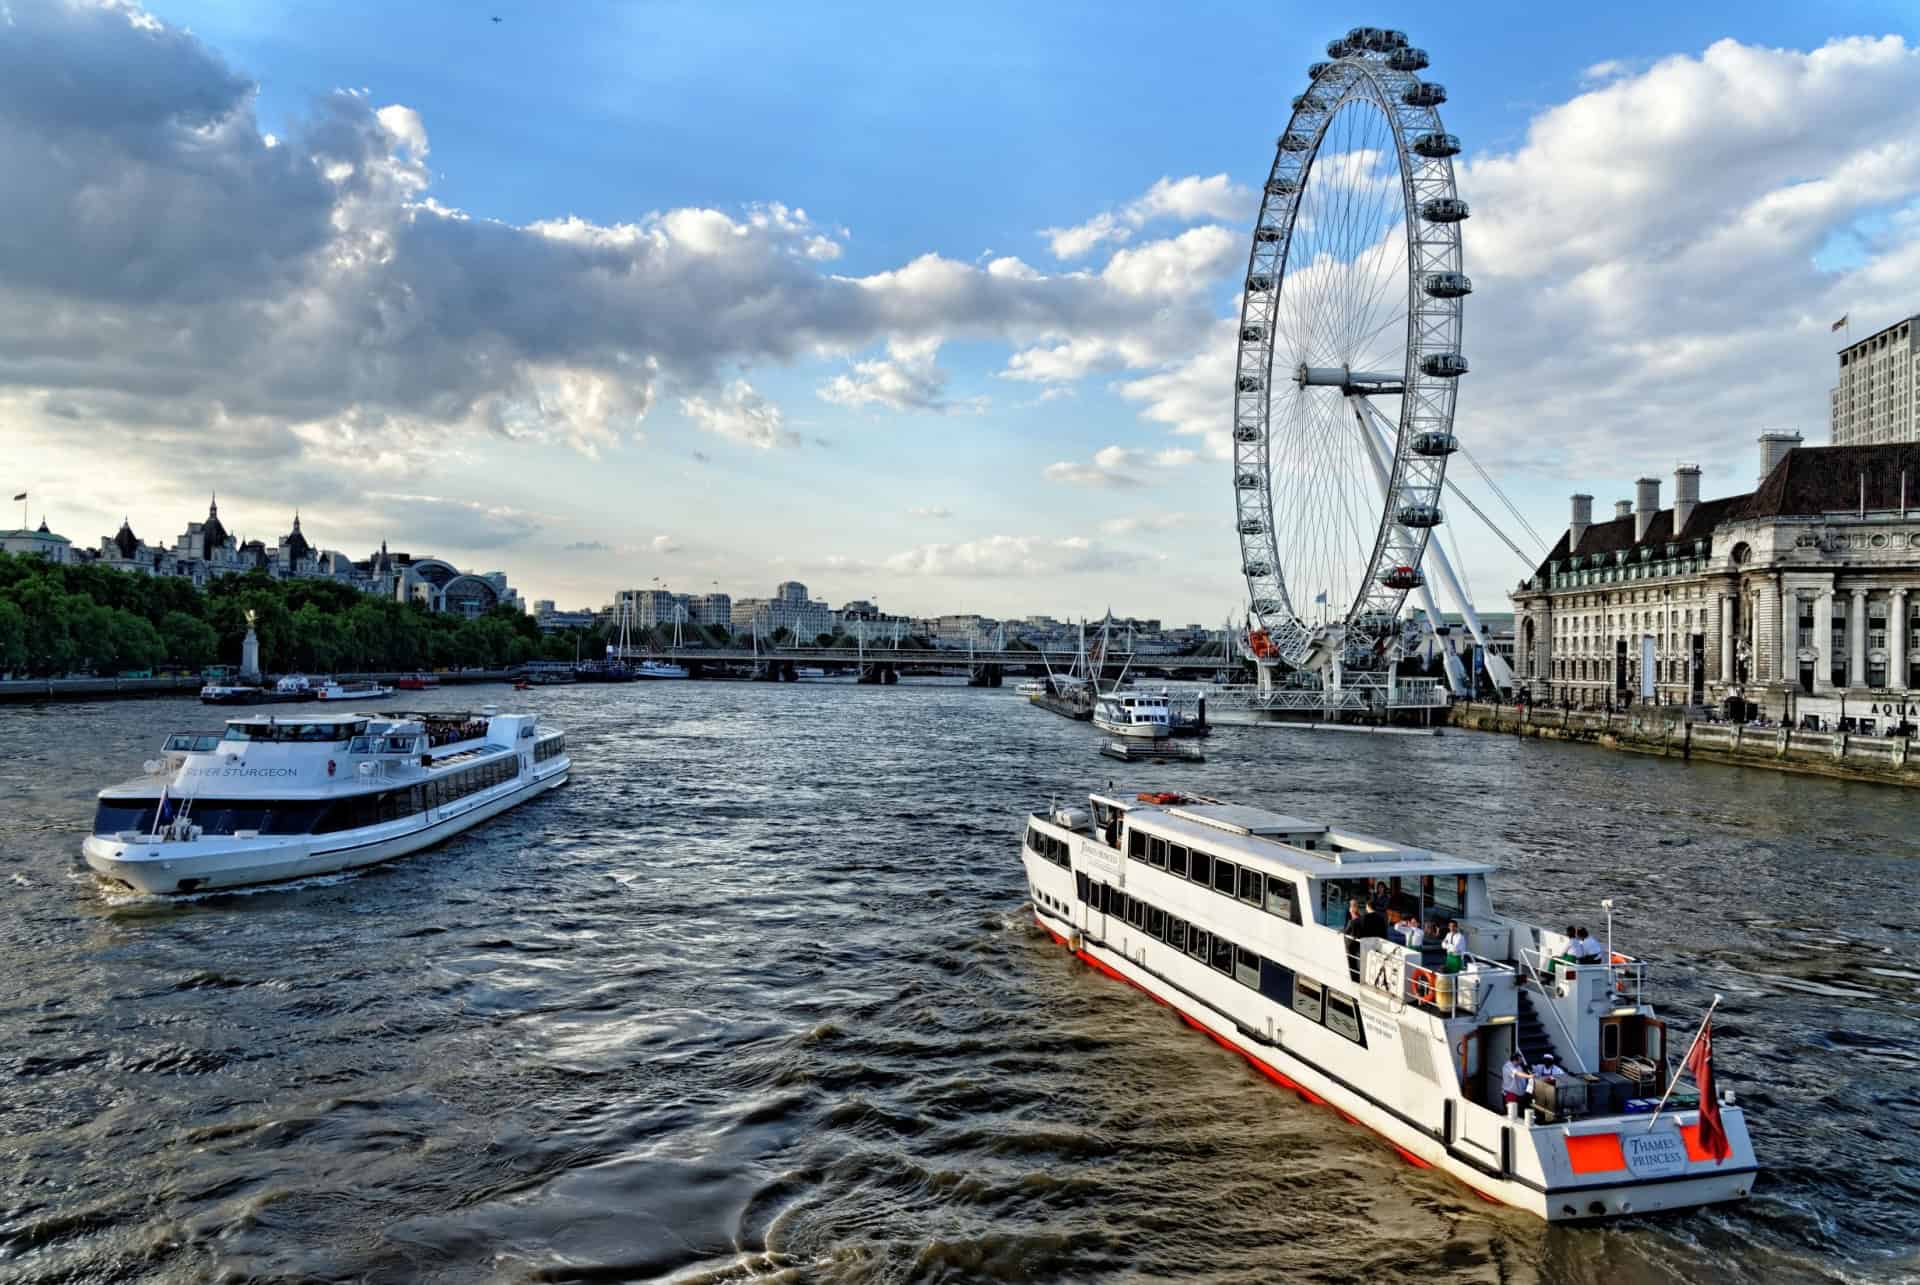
x=1686, y=494
x=1623, y=508
x=1646, y=503
x=1582, y=519
x=1773, y=449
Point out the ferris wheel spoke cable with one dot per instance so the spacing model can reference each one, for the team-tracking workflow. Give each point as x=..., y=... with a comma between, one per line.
x=1494, y=486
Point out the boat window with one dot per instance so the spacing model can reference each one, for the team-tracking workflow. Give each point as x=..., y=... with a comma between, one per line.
x=1157, y=852
x=1446, y=895
x=1202, y=867
x=1197, y=942
x=1034, y=840
x=1156, y=922
x=1177, y=860
x=1222, y=959
x=1176, y=933
x=111, y=816
x=1137, y=913
x=1343, y=1018
x=1250, y=886
x=1333, y=903
x=1137, y=845
x=1080, y=883
x=1224, y=875
x=1309, y=999
x=1280, y=899
x=1246, y=967
x=1276, y=982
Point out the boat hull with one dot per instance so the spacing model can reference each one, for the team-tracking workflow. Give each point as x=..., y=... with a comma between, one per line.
x=216, y=863
x=1132, y=731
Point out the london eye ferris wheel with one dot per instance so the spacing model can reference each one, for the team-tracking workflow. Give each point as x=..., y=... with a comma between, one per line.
x=1349, y=356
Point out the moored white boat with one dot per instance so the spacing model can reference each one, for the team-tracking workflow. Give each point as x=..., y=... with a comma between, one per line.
x=296, y=687
x=224, y=693
x=1235, y=916
x=1130, y=712
x=659, y=669
x=269, y=799
x=1031, y=687
x=363, y=690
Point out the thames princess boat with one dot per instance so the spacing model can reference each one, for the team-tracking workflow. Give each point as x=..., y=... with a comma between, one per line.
x=1235, y=916
x=282, y=798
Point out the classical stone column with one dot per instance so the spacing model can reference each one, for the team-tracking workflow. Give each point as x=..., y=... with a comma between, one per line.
x=1727, y=636
x=1857, y=635
x=1823, y=642
x=1789, y=636
x=1897, y=641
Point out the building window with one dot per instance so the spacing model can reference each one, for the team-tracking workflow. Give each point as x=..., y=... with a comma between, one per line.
x=1877, y=626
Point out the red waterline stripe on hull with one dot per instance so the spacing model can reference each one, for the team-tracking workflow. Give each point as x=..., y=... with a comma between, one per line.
x=1271, y=1072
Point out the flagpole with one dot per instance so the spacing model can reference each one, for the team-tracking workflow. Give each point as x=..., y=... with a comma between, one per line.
x=1683, y=1062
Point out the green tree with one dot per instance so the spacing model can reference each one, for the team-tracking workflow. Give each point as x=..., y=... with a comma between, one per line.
x=13, y=637
x=187, y=640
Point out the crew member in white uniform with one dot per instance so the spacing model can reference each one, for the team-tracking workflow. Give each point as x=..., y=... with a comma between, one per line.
x=1515, y=1082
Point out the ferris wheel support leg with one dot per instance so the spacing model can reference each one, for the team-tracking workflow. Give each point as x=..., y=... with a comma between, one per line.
x=1456, y=676
x=1496, y=667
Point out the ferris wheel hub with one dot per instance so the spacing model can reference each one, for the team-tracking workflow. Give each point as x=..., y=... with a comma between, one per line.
x=1351, y=382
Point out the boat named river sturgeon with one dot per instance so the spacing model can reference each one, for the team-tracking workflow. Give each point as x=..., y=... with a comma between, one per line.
x=287, y=798
x=1235, y=917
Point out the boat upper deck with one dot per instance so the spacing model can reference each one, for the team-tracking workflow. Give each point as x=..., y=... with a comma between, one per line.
x=1304, y=847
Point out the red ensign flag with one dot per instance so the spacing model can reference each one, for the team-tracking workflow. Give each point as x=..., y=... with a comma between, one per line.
x=1699, y=1064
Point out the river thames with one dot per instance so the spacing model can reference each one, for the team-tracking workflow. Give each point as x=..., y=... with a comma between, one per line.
x=756, y=998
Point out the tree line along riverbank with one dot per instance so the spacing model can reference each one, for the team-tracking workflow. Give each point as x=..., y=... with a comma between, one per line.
x=61, y=620
x=1845, y=755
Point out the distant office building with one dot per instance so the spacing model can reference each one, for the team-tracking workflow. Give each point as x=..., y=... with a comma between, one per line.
x=1878, y=397
x=711, y=609
x=789, y=609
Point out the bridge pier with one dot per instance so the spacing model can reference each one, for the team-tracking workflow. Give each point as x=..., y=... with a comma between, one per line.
x=987, y=675
x=879, y=674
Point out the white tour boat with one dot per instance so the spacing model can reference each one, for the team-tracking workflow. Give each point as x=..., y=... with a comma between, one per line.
x=659, y=669
x=286, y=798
x=1235, y=917
x=365, y=690
x=1031, y=687
x=296, y=687
x=1128, y=712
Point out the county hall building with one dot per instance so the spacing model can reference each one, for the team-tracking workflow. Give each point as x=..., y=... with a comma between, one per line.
x=1799, y=601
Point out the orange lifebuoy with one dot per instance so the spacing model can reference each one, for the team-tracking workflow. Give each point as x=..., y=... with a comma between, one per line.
x=1163, y=797
x=1422, y=986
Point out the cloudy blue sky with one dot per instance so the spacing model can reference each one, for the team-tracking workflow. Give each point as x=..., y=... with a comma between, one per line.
x=919, y=303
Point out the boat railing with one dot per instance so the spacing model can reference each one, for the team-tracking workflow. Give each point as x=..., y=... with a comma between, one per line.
x=1400, y=972
x=1627, y=983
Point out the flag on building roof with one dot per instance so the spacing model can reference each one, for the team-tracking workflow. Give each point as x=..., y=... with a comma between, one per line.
x=1838, y=324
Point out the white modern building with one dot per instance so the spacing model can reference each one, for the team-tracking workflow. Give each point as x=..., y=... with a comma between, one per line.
x=1878, y=397
x=37, y=543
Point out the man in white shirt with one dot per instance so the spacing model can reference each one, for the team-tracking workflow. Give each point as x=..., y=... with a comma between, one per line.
x=1411, y=934
x=1586, y=949
x=1548, y=1068
x=1515, y=1082
x=1456, y=944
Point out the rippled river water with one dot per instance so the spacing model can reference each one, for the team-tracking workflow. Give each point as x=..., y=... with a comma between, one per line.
x=754, y=998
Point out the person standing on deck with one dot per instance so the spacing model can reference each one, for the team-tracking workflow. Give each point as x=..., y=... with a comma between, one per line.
x=1515, y=1081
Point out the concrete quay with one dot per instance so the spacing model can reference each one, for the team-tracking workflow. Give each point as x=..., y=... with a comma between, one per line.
x=30, y=690
x=1843, y=755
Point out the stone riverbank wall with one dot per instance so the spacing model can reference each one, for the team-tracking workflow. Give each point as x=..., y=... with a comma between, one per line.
x=1887, y=759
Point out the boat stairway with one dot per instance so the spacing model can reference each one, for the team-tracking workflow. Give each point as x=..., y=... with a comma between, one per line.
x=1530, y=1033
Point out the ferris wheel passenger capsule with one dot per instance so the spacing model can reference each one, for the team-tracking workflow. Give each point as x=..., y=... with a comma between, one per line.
x=1294, y=142
x=1257, y=568
x=1266, y=236
x=1408, y=60
x=1250, y=383
x=1436, y=146
x=1432, y=443
x=1253, y=333
x=1265, y=606
x=1424, y=93
x=1418, y=515
x=1317, y=69
x=1247, y=481
x=1402, y=577
x=1246, y=433
x=1364, y=37
x=1252, y=526
x=1259, y=283
x=1443, y=209
x=1282, y=186
x=1339, y=48
x=1447, y=285
x=1444, y=365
